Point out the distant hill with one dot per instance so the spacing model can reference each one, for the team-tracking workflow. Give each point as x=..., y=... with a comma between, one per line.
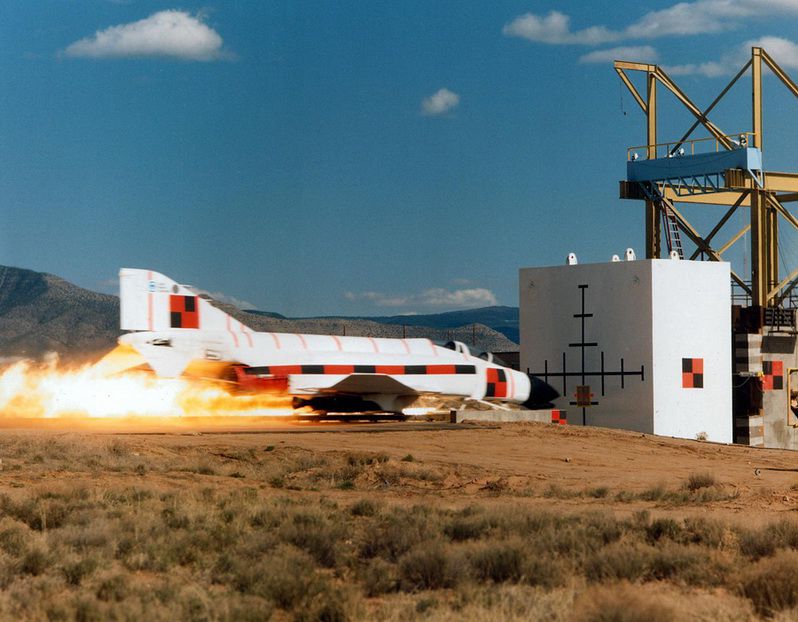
x=501, y=319
x=42, y=313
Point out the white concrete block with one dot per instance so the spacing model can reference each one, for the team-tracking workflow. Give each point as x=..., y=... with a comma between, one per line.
x=627, y=331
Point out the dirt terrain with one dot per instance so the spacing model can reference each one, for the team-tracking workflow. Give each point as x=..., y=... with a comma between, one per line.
x=530, y=459
x=393, y=521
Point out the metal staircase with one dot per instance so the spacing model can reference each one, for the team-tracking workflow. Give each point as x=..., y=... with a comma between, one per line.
x=672, y=235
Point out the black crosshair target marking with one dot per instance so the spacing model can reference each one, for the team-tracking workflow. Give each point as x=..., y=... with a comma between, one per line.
x=584, y=397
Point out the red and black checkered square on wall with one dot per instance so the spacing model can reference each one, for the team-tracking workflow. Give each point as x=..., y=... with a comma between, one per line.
x=692, y=373
x=772, y=375
x=183, y=311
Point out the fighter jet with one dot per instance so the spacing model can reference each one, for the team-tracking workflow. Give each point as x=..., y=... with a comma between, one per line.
x=179, y=332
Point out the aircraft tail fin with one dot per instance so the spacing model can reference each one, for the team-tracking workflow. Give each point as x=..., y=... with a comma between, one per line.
x=151, y=301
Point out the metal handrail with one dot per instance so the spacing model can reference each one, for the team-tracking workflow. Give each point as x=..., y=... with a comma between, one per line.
x=742, y=139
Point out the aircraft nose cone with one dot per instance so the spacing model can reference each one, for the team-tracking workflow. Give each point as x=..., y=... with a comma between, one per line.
x=541, y=394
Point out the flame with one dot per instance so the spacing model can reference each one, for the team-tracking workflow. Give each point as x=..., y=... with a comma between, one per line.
x=48, y=391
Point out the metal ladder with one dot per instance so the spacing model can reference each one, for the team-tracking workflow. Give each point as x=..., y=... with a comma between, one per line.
x=672, y=235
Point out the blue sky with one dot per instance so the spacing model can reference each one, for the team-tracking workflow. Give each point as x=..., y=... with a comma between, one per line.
x=353, y=157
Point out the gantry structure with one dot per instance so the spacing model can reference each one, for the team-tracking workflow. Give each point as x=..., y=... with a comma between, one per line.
x=723, y=170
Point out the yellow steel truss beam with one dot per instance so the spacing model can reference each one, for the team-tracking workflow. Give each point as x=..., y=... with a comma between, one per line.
x=793, y=277
x=734, y=238
x=722, y=222
x=635, y=93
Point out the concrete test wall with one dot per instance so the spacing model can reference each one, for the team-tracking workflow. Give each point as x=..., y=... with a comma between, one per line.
x=640, y=345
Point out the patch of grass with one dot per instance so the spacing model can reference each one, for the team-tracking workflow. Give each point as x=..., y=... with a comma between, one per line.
x=765, y=541
x=363, y=507
x=621, y=603
x=380, y=577
x=599, y=492
x=655, y=493
x=663, y=528
x=316, y=535
x=460, y=528
x=365, y=459
x=428, y=567
x=35, y=561
x=498, y=562
x=772, y=584
x=76, y=570
x=555, y=491
x=697, y=481
x=396, y=532
x=621, y=561
x=113, y=588
x=408, y=458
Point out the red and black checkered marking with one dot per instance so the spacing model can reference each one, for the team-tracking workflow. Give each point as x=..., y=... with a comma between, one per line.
x=343, y=370
x=183, y=311
x=497, y=383
x=773, y=375
x=559, y=417
x=692, y=373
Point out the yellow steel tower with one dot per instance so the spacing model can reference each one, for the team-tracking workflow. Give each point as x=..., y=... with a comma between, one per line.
x=723, y=170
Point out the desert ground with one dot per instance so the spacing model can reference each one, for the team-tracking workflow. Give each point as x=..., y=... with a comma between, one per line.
x=393, y=521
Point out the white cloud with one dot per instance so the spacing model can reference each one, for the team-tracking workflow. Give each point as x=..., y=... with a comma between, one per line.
x=681, y=19
x=710, y=69
x=638, y=53
x=783, y=51
x=440, y=103
x=176, y=34
x=435, y=298
x=555, y=28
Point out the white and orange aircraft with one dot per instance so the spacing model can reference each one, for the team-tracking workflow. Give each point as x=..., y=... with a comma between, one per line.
x=180, y=332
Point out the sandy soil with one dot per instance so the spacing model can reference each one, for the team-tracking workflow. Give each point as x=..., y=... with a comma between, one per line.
x=525, y=460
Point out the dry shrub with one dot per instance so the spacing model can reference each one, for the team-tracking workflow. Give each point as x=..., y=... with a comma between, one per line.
x=498, y=562
x=396, y=532
x=696, y=481
x=621, y=603
x=767, y=540
x=113, y=588
x=286, y=577
x=599, y=492
x=555, y=491
x=38, y=513
x=466, y=527
x=772, y=584
x=704, y=531
x=379, y=577
x=35, y=561
x=429, y=567
x=363, y=507
x=315, y=534
x=655, y=493
x=618, y=561
x=77, y=569
x=14, y=538
x=663, y=528
x=365, y=459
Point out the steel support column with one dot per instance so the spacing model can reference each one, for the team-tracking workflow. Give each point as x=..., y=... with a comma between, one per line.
x=653, y=211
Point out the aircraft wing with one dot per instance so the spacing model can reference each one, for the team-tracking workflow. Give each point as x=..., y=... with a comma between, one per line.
x=371, y=384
